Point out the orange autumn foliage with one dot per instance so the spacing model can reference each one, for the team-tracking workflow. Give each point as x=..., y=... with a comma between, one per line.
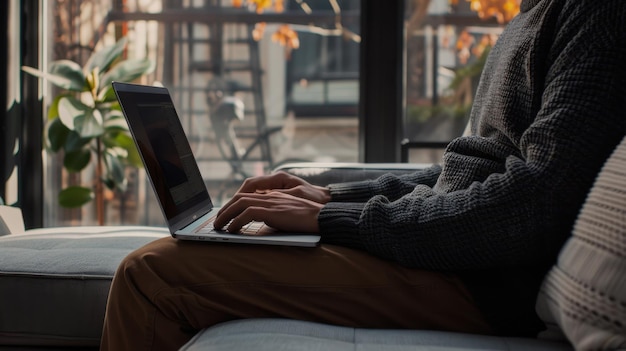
x=285, y=35
x=261, y=5
x=502, y=10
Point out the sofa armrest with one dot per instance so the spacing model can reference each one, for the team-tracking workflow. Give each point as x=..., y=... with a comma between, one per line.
x=324, y=173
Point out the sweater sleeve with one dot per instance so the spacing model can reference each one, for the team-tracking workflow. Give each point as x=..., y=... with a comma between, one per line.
x=508, y=197
x=390, y=185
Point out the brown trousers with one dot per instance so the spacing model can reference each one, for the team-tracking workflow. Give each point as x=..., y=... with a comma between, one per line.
x=165, y=292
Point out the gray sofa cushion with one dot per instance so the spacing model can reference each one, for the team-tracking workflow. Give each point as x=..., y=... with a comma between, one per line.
x=585, y=292
x=54, y=282
x=280, y=334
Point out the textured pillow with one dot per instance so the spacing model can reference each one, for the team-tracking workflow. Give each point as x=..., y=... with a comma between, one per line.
x=584, y=295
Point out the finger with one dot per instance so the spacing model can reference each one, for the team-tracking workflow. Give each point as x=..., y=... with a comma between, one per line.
x=299, y=191
x=250, y=185
x=251, y=213
x=227, y=204
x=278, y=180
x=259, y=210
x=236, y=206
x=227, y=212
x=239, y=195
x=263, y=182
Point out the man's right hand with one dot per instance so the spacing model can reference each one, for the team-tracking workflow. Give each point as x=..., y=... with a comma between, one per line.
x=278, y=210
x=285, y=183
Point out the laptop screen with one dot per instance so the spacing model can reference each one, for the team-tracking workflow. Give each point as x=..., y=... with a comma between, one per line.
x=165, y=150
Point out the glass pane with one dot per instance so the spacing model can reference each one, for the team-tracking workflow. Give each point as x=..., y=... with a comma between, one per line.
x=293, y=69
x=446, y=44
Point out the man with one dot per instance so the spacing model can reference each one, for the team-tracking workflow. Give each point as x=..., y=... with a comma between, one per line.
x=461, y=247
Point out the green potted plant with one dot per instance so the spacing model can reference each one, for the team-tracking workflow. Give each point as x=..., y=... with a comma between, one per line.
x=86, y=125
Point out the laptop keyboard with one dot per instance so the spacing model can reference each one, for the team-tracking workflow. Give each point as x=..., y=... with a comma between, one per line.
x=252, y=228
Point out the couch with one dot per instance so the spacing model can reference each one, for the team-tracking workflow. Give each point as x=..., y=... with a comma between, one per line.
x=54, y=284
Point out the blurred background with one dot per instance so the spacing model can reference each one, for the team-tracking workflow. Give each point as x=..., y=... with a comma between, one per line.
x=258, y=83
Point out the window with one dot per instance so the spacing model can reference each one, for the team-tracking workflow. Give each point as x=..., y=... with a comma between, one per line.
x=404, y=70
x=446, y=44
x=323, y=74
x=300, y=104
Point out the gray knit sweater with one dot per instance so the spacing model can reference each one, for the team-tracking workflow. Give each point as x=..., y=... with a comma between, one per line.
x=550, y=107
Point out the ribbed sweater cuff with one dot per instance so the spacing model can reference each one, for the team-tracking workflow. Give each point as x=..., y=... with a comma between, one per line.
x=352, y=191
x=339, y=221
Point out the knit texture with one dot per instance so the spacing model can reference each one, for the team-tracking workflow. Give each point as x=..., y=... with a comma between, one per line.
x=549, y=110
x=584, y=295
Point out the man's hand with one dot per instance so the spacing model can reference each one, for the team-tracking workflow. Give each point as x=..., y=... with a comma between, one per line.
x=277, y=209
x=285, y=183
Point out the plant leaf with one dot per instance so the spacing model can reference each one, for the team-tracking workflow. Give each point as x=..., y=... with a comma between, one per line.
x=58, y=80
x=69, y=108
x=115, y=169
x=85, y=120
x=93, y=79
x=107, y=94
x=126, y=71
x=126, y=141
x=57, y=134
x=102, y=59
x=75, y=196
x=123, y=142
x=75, y=142
x=53, y=111
x=76, y=161
x=89, y=125
x=71, y=71
x=115, y=123
x=109, y=184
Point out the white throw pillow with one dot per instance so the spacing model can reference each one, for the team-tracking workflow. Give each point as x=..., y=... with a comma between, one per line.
x=584, y=295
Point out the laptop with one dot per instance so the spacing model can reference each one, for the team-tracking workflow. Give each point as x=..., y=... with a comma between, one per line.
x=175, y=176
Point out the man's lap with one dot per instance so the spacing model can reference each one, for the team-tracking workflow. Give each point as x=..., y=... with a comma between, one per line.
x=208, y=283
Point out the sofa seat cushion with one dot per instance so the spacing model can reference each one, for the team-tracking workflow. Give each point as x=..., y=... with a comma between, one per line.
x=281, y=334
x=54, y=282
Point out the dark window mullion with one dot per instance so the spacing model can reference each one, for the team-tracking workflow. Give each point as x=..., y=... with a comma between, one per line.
x=30, y=164
x=380, y=101
x=6, y=164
